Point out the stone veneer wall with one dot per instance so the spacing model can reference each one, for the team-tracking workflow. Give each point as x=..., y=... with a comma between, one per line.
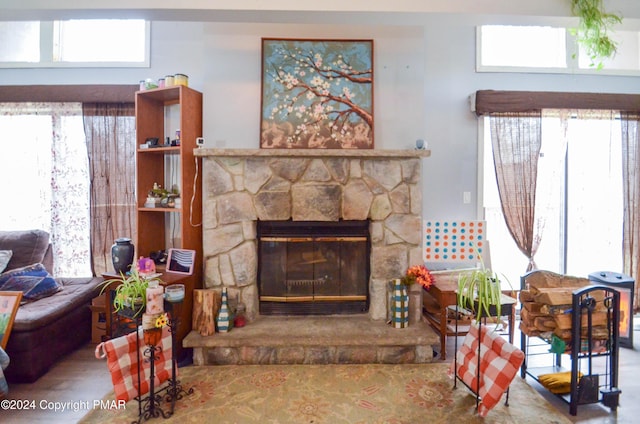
x=242, y=186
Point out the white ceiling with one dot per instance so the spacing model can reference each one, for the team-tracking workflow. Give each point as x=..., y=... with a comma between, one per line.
x=298, y=11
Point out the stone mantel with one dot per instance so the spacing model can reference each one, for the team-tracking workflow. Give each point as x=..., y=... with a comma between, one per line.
x=314, y=153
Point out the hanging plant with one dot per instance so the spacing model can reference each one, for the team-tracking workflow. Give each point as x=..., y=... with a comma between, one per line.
x=593, y=30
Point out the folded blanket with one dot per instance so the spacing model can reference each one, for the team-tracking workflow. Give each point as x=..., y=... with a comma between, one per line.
x=558, y=383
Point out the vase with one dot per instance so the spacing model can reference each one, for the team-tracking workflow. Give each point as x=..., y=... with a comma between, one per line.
x=399, y=305
x=415, y=303
x=223, y=320
x=122, y=255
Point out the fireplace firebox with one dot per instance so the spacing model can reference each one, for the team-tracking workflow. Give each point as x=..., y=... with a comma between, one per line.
x=313, y=267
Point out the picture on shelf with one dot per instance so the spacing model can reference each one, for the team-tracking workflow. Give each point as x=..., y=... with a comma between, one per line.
x=181, y=261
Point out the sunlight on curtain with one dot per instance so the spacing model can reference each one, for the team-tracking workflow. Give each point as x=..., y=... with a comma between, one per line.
x=585, y=234
x=631, y=194
x=516, y=140
x=111, y=142
x=44, y=170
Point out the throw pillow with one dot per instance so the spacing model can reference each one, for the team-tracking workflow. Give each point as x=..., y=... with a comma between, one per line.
x=499, y=364
x=32, y=287
x=37, y=270
x=33, y=281
x=5, y=256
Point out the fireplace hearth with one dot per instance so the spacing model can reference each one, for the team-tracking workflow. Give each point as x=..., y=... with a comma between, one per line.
x=313, y=268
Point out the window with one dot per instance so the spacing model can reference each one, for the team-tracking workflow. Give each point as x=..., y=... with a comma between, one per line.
x=99, y=41
x=75, y=43
x=627, y=56
x=20, y=41
x=528, y=47
x=544, y=49
x=44, y=149
x=579, y=196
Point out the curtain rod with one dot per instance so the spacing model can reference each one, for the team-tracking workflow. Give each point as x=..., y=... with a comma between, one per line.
x=116, y=93
x=486, y=102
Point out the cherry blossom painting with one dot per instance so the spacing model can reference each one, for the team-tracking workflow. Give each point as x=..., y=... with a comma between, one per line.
x=317, y=94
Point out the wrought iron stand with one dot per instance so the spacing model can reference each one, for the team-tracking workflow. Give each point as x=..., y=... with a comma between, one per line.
x=150, y=406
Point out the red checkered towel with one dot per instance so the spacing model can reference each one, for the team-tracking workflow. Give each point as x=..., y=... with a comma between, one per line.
x=499, y=363
x=122, y=362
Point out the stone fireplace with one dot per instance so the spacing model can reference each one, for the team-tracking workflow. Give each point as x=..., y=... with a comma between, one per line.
x=244, y=186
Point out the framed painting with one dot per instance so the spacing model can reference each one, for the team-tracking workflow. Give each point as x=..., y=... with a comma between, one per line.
x=9, y=303
x=317, y=94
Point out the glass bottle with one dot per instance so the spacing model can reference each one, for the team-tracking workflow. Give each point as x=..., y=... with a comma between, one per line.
x=239, y=320
x=223, y=320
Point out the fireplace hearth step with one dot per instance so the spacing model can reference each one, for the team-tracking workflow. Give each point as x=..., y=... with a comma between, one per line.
x=334, y=339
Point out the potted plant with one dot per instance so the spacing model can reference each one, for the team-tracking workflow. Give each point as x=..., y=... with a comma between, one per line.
x=129, y=294
x=480, y=291
x=593, y=29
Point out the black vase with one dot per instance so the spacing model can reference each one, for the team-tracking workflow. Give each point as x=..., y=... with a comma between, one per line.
x=122, y=255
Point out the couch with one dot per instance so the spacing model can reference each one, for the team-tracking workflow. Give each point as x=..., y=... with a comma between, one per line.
x=46, y=329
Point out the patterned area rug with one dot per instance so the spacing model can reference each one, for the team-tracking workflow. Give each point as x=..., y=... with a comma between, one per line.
x=349, y=394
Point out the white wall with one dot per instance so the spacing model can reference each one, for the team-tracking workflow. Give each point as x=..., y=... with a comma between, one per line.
x=424, y=73
x=232, y=84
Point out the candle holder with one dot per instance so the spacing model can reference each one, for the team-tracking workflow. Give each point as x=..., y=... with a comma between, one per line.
x=152, y=336
x=175, y=390
x=174, y=293
x=151, y=404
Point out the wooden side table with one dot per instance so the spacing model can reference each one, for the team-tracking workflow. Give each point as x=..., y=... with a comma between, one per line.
x=444, y=294
x=166, y=279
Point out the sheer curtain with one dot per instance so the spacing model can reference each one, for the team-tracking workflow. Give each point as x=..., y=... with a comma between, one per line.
x=111, y=144
x=44, y=171
x=631, y=189
x=516, y=139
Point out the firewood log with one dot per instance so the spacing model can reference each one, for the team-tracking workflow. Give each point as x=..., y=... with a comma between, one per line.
x=205, y=308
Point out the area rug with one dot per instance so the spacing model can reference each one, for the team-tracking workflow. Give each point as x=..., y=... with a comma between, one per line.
x=330, y=394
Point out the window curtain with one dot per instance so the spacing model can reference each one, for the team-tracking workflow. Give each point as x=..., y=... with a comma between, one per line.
x=516, y=139
x=43, y=167
x=630, y=122
x=111, y=146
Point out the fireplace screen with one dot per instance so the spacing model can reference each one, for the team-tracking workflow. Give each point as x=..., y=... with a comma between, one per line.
x=313, y=267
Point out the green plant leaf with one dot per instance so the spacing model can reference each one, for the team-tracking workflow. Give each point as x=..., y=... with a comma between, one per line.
x=593, y=30
x=479, y=290
x=130, y=287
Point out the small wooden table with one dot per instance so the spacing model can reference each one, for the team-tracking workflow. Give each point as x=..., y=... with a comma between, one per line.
x=444, y=293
